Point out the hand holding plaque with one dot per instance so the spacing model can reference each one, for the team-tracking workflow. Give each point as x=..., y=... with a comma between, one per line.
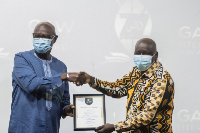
x=108, y=128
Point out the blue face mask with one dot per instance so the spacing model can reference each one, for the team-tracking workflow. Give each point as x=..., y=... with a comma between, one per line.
x=42, y=45
x=143, y=62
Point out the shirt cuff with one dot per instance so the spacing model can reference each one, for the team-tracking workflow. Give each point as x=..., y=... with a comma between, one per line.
x=123, y=126
x=65, y=106
x=94, y=84
x=116, y=126
x=63, y=111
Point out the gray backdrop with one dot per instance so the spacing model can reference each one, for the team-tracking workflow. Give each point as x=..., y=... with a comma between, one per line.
x=98, y=36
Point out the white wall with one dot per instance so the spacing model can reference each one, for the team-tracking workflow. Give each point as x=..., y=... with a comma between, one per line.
x=98, y=36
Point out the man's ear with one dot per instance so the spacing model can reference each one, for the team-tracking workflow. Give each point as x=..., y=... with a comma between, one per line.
x=156, y=56
x=54, y=40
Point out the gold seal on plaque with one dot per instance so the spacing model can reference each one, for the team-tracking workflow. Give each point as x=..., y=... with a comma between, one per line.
x=88, y=101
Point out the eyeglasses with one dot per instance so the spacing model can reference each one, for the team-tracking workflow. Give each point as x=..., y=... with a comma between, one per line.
x=36, y=35
x=45, y=39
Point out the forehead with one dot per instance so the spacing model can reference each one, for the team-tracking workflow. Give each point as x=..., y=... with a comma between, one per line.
x=44, y=29
x=144, y=48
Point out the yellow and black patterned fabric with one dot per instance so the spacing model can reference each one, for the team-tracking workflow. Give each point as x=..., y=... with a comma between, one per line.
x=149, y=99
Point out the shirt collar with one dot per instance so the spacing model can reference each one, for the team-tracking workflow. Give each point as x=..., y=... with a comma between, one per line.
x=49, y=61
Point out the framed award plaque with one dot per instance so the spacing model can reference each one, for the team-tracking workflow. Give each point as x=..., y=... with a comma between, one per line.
x=89, y=111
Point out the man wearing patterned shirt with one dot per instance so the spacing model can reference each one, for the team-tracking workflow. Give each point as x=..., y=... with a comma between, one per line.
x=149, y=89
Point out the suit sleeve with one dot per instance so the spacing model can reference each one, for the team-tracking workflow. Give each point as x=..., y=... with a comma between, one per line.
x=27, y=78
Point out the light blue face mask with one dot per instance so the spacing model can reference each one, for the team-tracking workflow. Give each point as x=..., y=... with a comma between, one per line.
x=42, y=45
x=143, y=62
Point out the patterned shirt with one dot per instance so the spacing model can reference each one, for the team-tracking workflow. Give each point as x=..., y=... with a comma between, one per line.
x=149, y=99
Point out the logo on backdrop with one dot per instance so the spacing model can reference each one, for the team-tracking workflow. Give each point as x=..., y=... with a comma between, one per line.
x=190, y=44
x=188, y=116
x=132, y=22
x=189, y=121
x=88, y=101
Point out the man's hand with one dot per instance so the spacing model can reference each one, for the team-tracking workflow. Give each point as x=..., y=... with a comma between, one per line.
x=73, y=77
x=69, y=110
x=79, y=78
x=87, y=77
x=107, y=128
x=84, y=79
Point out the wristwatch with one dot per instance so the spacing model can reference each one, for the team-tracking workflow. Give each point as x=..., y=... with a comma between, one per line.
x=67, y=76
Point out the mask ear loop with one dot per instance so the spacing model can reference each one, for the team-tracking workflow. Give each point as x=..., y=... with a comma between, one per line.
x=54, y=36
x=153, y=56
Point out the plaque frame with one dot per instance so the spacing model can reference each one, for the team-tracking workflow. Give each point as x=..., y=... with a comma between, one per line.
x=103, y=110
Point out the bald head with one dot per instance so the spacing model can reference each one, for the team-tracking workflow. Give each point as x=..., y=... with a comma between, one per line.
x=145, y=46
x=46, y=27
